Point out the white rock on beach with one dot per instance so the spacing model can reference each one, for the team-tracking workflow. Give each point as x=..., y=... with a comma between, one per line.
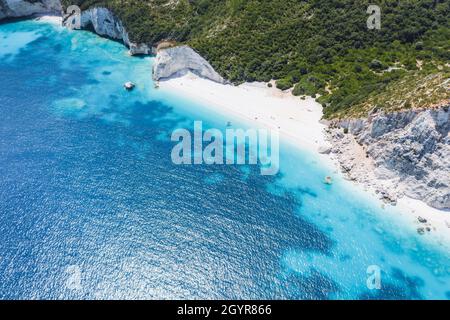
x=324, y=150
x=405, y=151
x=178, y=61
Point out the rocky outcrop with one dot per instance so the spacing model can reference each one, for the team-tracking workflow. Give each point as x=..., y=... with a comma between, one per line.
x=101, y=20
x=402, y=153
x=106, y=24
x=177, y=61
x=21, y=8
x=169, y=62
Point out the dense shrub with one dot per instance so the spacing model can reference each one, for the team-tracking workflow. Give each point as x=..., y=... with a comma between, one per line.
x=285, y=83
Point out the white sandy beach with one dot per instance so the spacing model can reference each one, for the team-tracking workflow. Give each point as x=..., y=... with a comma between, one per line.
x=299, y=121
x=295, y=119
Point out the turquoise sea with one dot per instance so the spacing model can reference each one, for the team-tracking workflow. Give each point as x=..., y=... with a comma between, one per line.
x=91, y=206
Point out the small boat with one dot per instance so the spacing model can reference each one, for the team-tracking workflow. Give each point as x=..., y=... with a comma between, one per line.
x=129, y=85
x=328, y=180
x=229, y=124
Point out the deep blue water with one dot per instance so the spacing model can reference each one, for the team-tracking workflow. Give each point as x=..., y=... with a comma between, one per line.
x=87, y=184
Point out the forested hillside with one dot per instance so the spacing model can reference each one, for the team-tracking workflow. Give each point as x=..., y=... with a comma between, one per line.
x=316, y=47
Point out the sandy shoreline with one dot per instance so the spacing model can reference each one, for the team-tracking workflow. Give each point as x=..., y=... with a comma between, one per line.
x=53, y=19
x=298, y=121
x=295, y=119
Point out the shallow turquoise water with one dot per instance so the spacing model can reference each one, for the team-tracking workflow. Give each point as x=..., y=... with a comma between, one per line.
x=88, y=191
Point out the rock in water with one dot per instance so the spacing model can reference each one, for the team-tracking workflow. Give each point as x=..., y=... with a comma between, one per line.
x=129, y=86
x=422, y=220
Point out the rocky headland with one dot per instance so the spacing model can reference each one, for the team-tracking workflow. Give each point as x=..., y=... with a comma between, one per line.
x=397, y=154
x=170, y=62
x=104, y=23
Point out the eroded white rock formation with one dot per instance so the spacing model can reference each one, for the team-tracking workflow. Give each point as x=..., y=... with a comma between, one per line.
x=401, y=153
x=102, y=20
x=169, y=62
x=106, y=24
x=177, y=61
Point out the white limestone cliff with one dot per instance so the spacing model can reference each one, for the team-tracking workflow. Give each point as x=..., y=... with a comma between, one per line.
x=169, y=62
x=106, y=24
x=177, y=61
x=401, y=153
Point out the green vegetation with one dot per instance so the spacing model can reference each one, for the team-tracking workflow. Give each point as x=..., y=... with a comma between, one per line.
x=316, y=47
x=420, y=89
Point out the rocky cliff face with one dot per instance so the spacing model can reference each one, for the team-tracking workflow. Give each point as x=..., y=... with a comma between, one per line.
x=177, y=61
x=105, y=23
x=169, y=62
x=21, y=8
x=402, y=153
x=102, y=20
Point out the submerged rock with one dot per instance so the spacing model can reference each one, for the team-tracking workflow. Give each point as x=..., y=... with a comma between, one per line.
x=422, y=220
